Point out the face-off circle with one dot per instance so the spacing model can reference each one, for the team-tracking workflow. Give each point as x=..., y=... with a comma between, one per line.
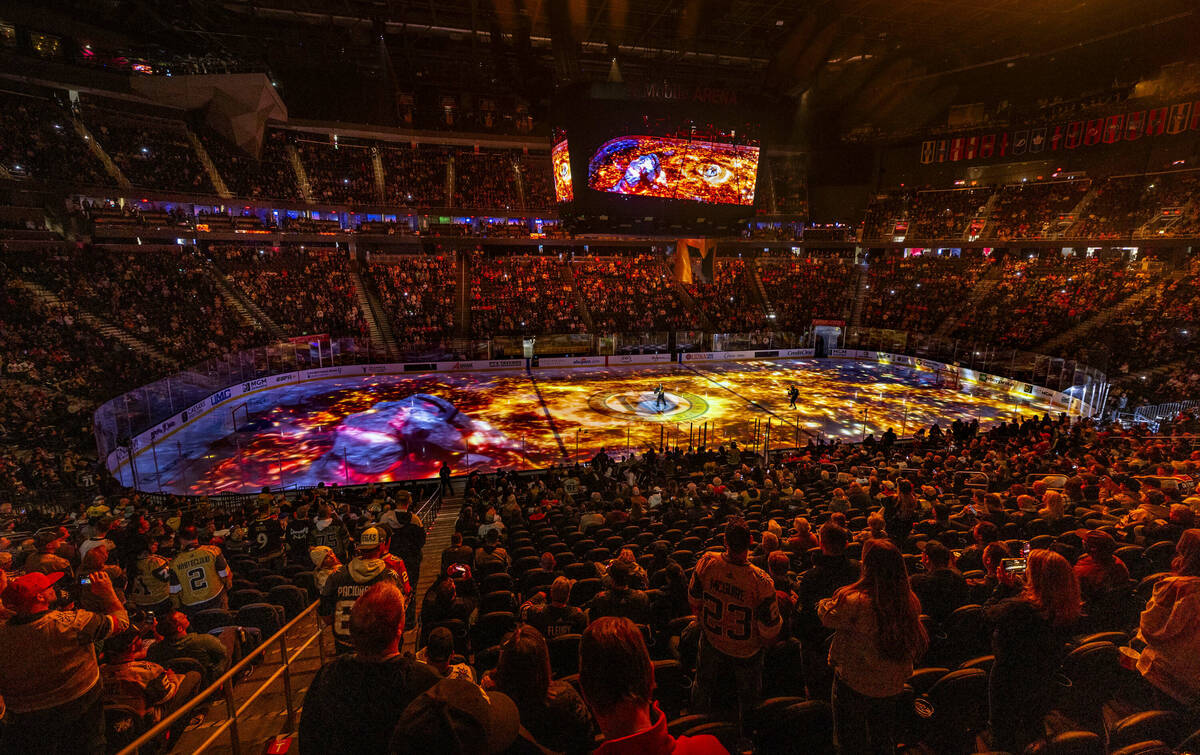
x=645, y=405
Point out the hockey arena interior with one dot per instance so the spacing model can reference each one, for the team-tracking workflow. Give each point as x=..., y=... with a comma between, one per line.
x=680, y=376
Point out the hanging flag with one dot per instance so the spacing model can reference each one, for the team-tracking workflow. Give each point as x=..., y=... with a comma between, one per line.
x=943, y=149
x=956, y=148
x=1195, y=124
x=1156, y=121
x=1074, y=135
x=927, y=152
x=1037, y=139
x=1177, y=123
x=987, y=145
x=1112, y=128
x=1003, y=149
x=1056, y=138
x=972, y=148
x=1134, y=123
x=1020, y=142
x=1094, y=132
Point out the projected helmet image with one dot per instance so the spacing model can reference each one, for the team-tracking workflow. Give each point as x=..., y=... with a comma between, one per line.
x=653, y=166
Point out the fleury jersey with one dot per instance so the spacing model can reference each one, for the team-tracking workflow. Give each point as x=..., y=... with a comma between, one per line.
x=735, y=605
x=266, y=537
x=152, y=582
x=197, y=576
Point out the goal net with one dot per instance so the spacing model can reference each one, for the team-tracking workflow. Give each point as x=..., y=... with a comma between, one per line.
x=946, y=377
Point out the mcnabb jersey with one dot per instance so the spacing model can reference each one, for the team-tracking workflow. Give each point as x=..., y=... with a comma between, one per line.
x=735, y=605
x=197, y=576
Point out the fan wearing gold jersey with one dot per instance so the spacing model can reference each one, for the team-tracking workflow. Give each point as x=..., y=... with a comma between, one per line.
x=200, y=578
x=735, y=606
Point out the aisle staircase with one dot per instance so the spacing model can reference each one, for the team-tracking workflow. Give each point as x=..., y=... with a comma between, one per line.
x=982, y=287
x=381, y=327
x=462, y=295
x=860, y=296
x=520, y=183
x=1096, y=321
x=761, y=290
x=209, y=166
x=247, y=310
x=99, y=324
x=380, y=180
x=585, y=314
x=113, y=171
x=450, y=180
x=984, y=214
x=301, y=174
x=436, y=541
x=695, y=313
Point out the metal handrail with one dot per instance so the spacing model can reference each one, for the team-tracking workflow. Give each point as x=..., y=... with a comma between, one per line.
x=224, y=685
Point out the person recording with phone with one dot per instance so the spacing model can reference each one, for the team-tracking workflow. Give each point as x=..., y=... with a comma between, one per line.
x=49, y=675
x=1029, y=636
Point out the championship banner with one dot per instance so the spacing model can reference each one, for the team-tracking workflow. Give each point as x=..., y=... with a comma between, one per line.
x=1134, y=123
x=1177, y=122
x=1020, y=142
x=1174, y=119
x=1037, y=139
x=1074, y=135
x=1056, y=138
x=1156, y=121
x=987, y=145
x=1112, y=128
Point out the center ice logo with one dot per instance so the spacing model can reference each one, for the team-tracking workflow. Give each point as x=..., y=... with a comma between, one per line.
x=645, y=405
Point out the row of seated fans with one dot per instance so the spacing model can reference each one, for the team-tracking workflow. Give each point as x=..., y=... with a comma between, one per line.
x=1099, y=706
x=521, y=294
x=1166, y=203
x=803, y=289
x=626, y=294
x=726, y=299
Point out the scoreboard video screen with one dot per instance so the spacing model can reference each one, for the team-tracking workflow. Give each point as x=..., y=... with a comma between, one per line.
x=626, y=164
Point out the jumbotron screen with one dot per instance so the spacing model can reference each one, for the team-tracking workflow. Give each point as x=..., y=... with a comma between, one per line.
x=686, y=168
x=636, y=164
x=560, y=160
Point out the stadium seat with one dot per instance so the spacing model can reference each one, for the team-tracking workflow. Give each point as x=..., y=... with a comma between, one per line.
x=212, y=618
x=499, y=600
x=265, y=617
x=724, y=731
x=672, y=688
x=291, y=598
x=959, y=702
x=239, y=598
x=272, y=580
x=490, y=629
x=1162, y=725
x=564, y=654
x=496, y=582
x=1069, y=743
x=803, y=727
x=122, y=725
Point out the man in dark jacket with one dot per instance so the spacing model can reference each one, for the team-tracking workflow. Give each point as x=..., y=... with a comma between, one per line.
x=831, y=569
x=940, y=587
x=620, y=599
x=355, y=700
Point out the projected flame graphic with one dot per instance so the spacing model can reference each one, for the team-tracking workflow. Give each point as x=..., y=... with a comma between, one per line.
x=395, y=427
x=560, y=160
x=653, y=166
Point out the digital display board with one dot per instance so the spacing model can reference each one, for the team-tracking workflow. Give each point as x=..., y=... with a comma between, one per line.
x=647, y=164
x=654, y=166
x=560, y=161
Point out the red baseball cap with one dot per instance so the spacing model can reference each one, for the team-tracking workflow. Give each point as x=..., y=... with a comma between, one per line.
x=23, y=592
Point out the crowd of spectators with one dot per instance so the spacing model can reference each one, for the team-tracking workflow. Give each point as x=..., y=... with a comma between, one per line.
x=945, y=214
x=304, y=291
x=152, y=153
x=630, y=294
x=727, y=300
x=269, y=176
x=418, y=295
x=805, y=288
x=916, y=293
x=519, y=294
x=40, y=142
x=414, y=176
x=338, y=172
x=164, y=297
x=1026, y=210
x=714, y=601
x=486, y=179
x=537, y=181
x=883, y=211
x=1036, y=298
